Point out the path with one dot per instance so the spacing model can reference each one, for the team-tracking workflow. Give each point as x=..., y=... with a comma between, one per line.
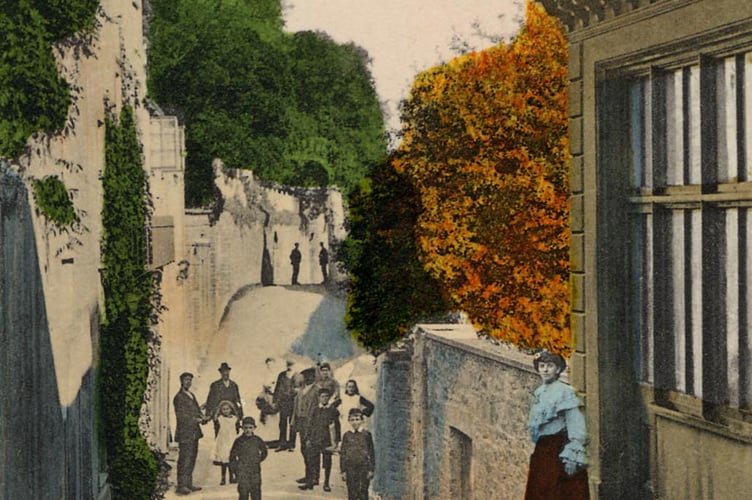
x=303, y=323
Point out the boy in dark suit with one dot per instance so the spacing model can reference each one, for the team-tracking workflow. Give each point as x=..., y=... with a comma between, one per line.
x=357, y=457
x=320, y=439
x=246, y=455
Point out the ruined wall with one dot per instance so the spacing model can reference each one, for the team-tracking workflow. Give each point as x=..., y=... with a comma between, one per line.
x=467, y=421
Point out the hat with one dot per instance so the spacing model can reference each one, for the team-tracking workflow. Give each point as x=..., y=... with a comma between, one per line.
x=249, y=421
x=224, y=367
x=544, y=356
x=185, y=375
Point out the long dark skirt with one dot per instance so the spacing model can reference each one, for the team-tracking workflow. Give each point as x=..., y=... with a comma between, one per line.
x=546, y=478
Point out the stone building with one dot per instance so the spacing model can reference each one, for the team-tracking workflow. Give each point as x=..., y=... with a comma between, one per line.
x=451, y=418
x=661, y=178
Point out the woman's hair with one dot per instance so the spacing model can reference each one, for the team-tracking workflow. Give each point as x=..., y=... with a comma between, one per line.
x=357, y=391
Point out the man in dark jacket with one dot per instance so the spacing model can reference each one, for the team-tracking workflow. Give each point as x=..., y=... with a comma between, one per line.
x=321, y=439
x=187, y=433
x=220, y=390
x=295, y=258
x=283, y=400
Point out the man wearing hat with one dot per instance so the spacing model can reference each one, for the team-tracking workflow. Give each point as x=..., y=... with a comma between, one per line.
x=187, y=433
x=223, y=389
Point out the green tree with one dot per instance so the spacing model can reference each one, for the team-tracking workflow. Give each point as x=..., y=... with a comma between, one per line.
x=389, y=288
x=291, y=107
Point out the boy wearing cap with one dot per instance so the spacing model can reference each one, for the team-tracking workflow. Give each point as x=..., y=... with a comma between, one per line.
x=246, y=455
x=357, y=457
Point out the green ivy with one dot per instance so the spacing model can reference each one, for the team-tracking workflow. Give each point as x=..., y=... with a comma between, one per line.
x=53, y=201
x=125, y=332
x=33, y=96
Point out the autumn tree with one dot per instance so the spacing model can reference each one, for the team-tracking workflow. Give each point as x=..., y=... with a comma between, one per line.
x=485, y=144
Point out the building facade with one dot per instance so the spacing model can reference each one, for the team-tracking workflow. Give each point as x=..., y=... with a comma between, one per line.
x=661, y=179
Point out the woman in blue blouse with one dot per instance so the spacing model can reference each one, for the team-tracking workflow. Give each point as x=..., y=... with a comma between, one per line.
x=557, y=427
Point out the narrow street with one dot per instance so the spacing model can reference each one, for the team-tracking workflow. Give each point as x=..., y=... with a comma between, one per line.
x=262, y=329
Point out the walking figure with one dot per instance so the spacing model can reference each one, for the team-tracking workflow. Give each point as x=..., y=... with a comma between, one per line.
x=295, y=258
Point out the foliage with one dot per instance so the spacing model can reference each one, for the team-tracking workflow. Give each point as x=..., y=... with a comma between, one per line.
x=125, y=331
x=53, y=201
x=389, y=288
x=33, y=96
x=293, y=108
x=485, y=143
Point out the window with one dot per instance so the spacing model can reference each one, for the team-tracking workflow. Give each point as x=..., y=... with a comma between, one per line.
x=691, y=158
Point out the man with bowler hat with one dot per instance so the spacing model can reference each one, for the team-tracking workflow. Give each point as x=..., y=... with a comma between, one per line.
x=187, y=433
x=223, y=389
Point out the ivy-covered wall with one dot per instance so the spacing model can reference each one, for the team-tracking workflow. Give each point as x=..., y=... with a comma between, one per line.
x=125, y=332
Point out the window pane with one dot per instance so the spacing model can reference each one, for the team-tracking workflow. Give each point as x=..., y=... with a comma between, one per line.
x=726, y=105
x=692, y=106
x=675, y=128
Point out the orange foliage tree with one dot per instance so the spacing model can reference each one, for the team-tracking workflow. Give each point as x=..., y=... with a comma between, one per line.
x=485, y=142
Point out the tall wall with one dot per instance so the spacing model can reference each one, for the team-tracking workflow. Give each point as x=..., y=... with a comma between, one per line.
x=247, y=242
x=49, y=277
x=466, y=425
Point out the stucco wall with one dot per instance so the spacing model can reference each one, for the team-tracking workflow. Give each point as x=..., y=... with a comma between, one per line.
x=225, y=249
x=48, y=448
x=464, y=391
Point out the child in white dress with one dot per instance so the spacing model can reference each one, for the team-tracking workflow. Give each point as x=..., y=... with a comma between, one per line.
x=227, y=421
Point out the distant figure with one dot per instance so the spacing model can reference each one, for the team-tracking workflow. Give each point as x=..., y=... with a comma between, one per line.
x=324, y=261
x=187, y=433
x=227, y=420
x=557, y=427
x=246, y=456
x=357, y=457
x=223, y=389
x=284, y=396
x=295, y=259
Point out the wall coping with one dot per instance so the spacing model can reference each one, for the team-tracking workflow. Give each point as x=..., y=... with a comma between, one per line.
x=465, y=337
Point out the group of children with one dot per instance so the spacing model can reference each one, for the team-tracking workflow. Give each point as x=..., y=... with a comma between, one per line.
x=242, y=455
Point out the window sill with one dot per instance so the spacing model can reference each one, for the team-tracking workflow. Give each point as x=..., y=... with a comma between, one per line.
x=730, y=423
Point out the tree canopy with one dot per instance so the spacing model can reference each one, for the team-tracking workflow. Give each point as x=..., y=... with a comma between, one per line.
x=294, y=108
x=485, y=149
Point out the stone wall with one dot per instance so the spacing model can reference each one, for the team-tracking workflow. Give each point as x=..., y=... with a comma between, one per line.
x=466, y=424
x=246, y=241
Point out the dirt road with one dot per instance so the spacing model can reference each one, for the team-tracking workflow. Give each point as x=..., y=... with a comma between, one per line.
x=262, y=328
